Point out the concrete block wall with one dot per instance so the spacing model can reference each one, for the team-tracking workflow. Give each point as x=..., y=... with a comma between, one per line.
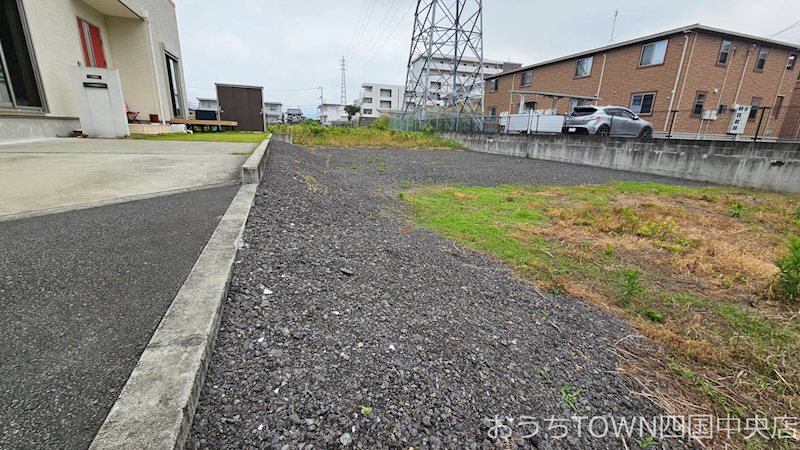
x=770, y=166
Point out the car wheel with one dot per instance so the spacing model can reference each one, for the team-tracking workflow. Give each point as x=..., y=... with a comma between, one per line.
x=604, y=130
x=647, y=133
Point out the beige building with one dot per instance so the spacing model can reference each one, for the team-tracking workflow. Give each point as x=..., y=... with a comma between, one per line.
x=45, y=43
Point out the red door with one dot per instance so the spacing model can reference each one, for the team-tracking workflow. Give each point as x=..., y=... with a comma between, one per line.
x=92, y=44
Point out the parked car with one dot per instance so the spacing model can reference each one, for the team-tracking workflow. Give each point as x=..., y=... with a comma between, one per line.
x=606, y=121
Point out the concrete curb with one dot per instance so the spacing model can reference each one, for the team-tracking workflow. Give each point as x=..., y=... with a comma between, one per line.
x=253, y=168
x=157, y=405
x=112, y=201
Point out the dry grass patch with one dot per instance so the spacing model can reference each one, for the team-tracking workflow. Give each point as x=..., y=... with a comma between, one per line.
x=693, y=269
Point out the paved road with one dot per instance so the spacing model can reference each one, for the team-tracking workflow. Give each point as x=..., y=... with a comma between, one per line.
x=67, y=172
x=80, y=295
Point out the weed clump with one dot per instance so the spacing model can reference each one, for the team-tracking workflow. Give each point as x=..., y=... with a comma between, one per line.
x=788, y=281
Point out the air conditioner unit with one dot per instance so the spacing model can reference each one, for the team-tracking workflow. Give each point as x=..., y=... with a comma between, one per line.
x=739, y=116
x=709, y=114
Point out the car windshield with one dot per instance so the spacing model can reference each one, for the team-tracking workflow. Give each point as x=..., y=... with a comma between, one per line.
x=583, y=111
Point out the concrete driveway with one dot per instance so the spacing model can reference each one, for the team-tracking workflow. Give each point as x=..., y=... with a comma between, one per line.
x=63, y=174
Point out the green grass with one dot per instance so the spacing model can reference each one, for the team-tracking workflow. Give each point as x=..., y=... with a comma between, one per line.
x=317, y=135
x=616, y=245
x=224, y=136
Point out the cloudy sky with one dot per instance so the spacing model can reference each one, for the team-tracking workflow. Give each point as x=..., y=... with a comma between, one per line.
x=294, y=47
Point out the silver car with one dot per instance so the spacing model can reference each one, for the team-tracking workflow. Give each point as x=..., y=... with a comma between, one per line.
x=606, y=121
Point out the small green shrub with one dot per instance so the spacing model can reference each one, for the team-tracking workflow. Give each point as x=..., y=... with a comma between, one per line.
x=788, y=282
x=633, y=285
x=380, y=124
x=737, y=209
x=609, y=250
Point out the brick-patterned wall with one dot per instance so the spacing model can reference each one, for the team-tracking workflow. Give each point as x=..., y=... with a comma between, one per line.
x=623, y=77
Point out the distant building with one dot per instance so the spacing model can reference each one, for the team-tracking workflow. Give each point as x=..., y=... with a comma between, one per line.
x=696, y=74
x=274, y=112
x=207, y=109
x=378, y=99
x=331, y=112
x=440, y=88
x=207, y=104
x=294, y=115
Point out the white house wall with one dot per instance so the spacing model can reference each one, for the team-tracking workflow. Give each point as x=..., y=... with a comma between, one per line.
x=57, y=47
x=56, y=41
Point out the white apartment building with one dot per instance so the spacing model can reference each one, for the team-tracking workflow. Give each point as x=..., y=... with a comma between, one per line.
x=274, y=112
x=377, y=99
x=441, y=82
x=77, y=64
x=331, y=112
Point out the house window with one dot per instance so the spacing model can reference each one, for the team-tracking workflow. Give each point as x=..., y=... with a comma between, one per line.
x=367, y=88
x=436, y=85
x=754, y=105
x=173, y=77
x=653, y=53
x=776, y=110
x=19, y=78
x=527, y=78
x=791, y=61
x=583, y=67
x=493, y=85
x=367, y=100
x=493, y=111
x=642, y=103
x=724, y=52
x=762, y=58
x=92, y=45
x=387, y=104
x=367, y=111
x=699, y=102
x=386, y=92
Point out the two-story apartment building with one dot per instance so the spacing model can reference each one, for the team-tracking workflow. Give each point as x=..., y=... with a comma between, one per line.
x=60, y=58
x=274, y=112
x=377, y=99
x=691, y=69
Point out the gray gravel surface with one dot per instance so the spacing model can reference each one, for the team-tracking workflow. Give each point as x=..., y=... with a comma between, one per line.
x=80, y=296
x=344, y=329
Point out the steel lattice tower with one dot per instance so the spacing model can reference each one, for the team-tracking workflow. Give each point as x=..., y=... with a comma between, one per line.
x=344, y=81
x=439, y=80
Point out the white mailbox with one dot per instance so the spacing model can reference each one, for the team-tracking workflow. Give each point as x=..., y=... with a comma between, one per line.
x=739, y=116
x=98, y=96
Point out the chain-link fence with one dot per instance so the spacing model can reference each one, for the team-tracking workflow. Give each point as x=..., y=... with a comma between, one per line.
x=780, y=123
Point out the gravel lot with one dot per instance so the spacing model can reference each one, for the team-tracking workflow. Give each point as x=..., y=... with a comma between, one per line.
x=346, y=327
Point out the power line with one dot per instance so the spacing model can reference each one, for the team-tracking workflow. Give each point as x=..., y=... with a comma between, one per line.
x=388, y=37
x=379, y=40
x=367, y=17
x=360, y=53
x=786, y=29
x=360, y=24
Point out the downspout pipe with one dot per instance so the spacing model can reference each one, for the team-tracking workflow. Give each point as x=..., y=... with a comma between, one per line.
x=677, y=78
x=602, y=73
x=744, y=71
x=155, y=68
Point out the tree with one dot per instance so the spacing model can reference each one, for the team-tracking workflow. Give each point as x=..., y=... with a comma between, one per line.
x=351, y=111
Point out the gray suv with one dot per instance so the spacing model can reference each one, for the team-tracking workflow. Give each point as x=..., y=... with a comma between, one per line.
x=606, y=121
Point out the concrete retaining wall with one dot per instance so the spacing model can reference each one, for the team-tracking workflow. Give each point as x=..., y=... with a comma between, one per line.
x=772, y=166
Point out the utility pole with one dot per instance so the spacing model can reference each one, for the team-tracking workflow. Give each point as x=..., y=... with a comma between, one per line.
x=321, y=97
x=344, y=81
x=446, y=35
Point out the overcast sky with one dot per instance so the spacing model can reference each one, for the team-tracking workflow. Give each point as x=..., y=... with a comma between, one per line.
x=293, y=47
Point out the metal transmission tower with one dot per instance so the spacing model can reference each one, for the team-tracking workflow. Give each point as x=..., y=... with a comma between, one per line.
x=344, y=81
x=445, y=64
